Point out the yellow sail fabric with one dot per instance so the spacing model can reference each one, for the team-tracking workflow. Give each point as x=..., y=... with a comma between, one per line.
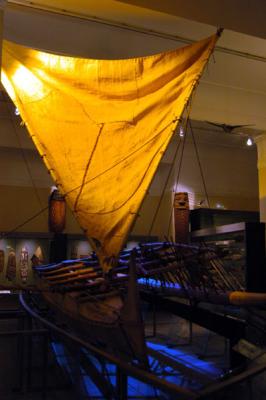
x=102, y=127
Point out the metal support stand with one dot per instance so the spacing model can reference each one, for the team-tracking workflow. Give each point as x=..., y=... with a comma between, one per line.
x=154, y=320
x=29, y=355
x=190, y=331
x=121, y=384
x=20, y=356
x=45, y=365
x=24, y=335
x=249, y=388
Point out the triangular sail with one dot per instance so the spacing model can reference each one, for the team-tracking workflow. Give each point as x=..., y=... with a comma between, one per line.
x=102, y=126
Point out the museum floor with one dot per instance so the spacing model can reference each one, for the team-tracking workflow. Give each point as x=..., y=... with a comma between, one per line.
x=206, y=351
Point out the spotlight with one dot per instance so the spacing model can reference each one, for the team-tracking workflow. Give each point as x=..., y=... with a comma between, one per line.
x=249, y=142
x=53, y=188
x=17, y=111
x=181, y=131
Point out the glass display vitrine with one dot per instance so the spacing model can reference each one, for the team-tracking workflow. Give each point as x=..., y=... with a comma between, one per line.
x=241, y=247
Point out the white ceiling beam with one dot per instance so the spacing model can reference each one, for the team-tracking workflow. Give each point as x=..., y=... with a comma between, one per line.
x=244, y=16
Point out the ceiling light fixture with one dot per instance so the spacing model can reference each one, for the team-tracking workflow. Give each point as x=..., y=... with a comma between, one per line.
x=17, y=111
x=249, y=142
x=181, y=131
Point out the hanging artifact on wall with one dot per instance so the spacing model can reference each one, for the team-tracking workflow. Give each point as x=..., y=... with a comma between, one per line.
x=74, y=253
x=83, y=256
x=181, y=216
x=57, y=212
x=2, y=260
x=39, y=253
x=24, y=264
x=11, y=265
x=37, y=257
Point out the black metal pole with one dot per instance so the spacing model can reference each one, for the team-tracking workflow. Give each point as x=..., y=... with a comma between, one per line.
x=45, y=365
x=20, y=347
x=121, y=384
x=29, y=353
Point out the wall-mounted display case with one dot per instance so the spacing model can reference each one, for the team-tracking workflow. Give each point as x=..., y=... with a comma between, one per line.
x=18, y=253
x=242, y=249
x=79, y=247
x=202, y=218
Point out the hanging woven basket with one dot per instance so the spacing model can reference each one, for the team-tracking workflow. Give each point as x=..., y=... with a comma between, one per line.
x=57, y=212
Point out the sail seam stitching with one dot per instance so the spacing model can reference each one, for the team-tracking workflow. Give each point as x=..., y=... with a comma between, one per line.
x=87, y=168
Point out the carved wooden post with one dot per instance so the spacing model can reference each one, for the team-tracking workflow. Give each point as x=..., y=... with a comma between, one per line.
x=56, y=222
x=181, y=216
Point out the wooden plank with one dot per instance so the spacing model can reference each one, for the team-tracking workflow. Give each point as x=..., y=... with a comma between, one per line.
x=64, y=268
x=75, y=278
x=179, y=366
x=70, y=273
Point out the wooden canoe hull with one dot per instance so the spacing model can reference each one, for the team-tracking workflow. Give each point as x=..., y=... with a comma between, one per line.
x=100, y=330
x=113, y=322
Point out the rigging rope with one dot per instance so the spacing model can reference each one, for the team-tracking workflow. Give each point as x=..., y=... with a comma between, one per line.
x=87, y=167
x=164, y=188
x=200, y=166
x=188, y=110
x=5, y=234
x=24, y=156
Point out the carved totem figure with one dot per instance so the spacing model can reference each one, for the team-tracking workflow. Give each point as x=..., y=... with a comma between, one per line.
x=181, y=215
